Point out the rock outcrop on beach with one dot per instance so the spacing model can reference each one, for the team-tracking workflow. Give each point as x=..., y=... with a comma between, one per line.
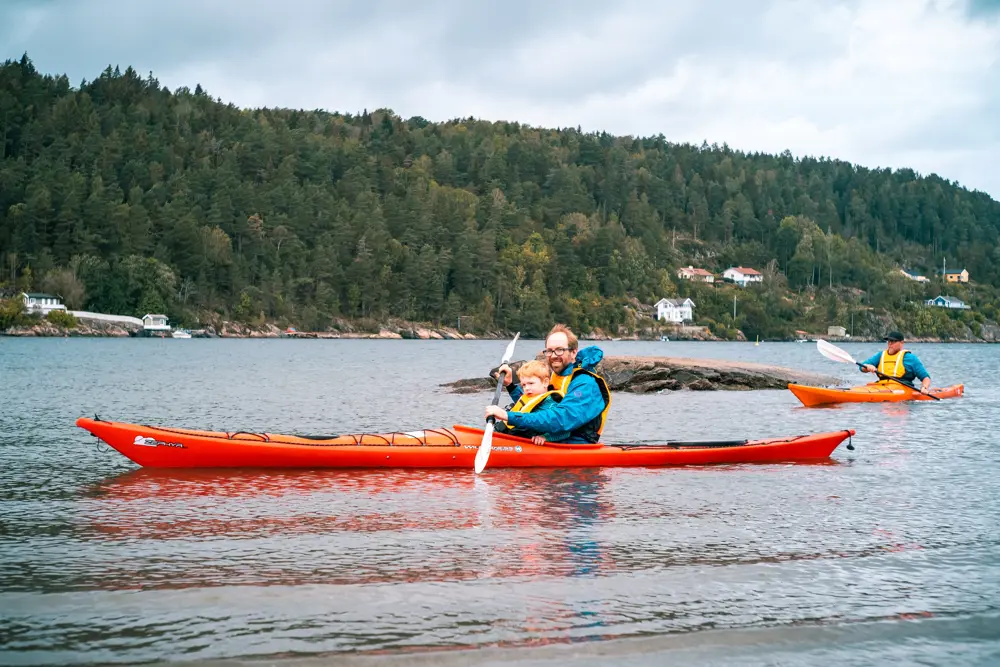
x=643, y=375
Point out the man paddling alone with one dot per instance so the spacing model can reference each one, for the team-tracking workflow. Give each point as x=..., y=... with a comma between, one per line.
x=580, y=416
x=895, y=362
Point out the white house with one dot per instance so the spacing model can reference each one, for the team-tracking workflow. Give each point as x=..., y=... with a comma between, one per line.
x=155, y=324
x=947, y=302
x=675, y=310
x=691, y=273
x=913, y=275
x=742, y=275
x=43, y=304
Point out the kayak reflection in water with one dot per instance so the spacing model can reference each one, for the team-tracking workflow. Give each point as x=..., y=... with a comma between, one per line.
x=895, y=362
x=586, y=398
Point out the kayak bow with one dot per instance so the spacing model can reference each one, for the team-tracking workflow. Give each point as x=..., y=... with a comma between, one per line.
x=452, y=447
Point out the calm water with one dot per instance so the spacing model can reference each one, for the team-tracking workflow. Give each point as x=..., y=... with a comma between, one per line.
x=890, y=552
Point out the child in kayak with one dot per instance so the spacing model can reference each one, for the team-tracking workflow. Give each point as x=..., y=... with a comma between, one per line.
x=537, y=395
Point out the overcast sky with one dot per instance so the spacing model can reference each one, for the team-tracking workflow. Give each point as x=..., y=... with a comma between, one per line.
x=882, y=83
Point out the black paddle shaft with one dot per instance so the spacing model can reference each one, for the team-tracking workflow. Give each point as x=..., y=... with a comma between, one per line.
x=496, y=397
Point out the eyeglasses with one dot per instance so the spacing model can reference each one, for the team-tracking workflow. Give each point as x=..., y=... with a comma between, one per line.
x=558, y=351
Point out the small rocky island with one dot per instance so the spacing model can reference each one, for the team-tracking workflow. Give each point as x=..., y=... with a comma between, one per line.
x=643, y=375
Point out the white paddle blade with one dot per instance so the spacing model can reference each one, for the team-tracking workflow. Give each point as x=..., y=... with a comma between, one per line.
x=510, y=349
x=483, y=455
x=831, y=351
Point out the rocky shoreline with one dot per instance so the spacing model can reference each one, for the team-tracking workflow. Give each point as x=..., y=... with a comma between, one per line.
x=393, y=329
x=644, y=375
x=400, y=329
x=46, y=329
x=94, y=328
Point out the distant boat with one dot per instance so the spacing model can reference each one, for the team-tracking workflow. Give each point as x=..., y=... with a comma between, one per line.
x=180, y=333
x=664, y=339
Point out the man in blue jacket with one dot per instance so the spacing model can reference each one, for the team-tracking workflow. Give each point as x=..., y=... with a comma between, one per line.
x=580, y=416
x=895, y=362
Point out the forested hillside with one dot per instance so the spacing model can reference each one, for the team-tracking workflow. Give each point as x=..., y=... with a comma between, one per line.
x=126, y=197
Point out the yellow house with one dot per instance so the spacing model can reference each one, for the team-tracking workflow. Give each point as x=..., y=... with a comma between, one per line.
x=956, y=276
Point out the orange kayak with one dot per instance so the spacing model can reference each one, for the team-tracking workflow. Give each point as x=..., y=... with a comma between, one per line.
x=876, y=392
x=452, y=447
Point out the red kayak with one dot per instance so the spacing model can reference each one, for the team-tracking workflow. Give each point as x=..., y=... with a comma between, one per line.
x=451, y=447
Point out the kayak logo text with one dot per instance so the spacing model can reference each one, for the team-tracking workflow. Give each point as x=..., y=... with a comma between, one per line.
x=153, y=442
x=498, y=448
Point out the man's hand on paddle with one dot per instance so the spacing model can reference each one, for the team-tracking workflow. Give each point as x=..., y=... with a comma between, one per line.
x=508, y=375
x=867, y=368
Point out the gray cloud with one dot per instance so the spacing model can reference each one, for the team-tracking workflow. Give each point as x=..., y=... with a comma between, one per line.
x=884, y=83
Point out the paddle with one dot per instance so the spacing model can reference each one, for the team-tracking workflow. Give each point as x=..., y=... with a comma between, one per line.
x=831, y=351
x=483, y=455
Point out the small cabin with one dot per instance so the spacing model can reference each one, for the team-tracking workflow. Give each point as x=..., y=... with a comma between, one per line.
x=152, y=323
